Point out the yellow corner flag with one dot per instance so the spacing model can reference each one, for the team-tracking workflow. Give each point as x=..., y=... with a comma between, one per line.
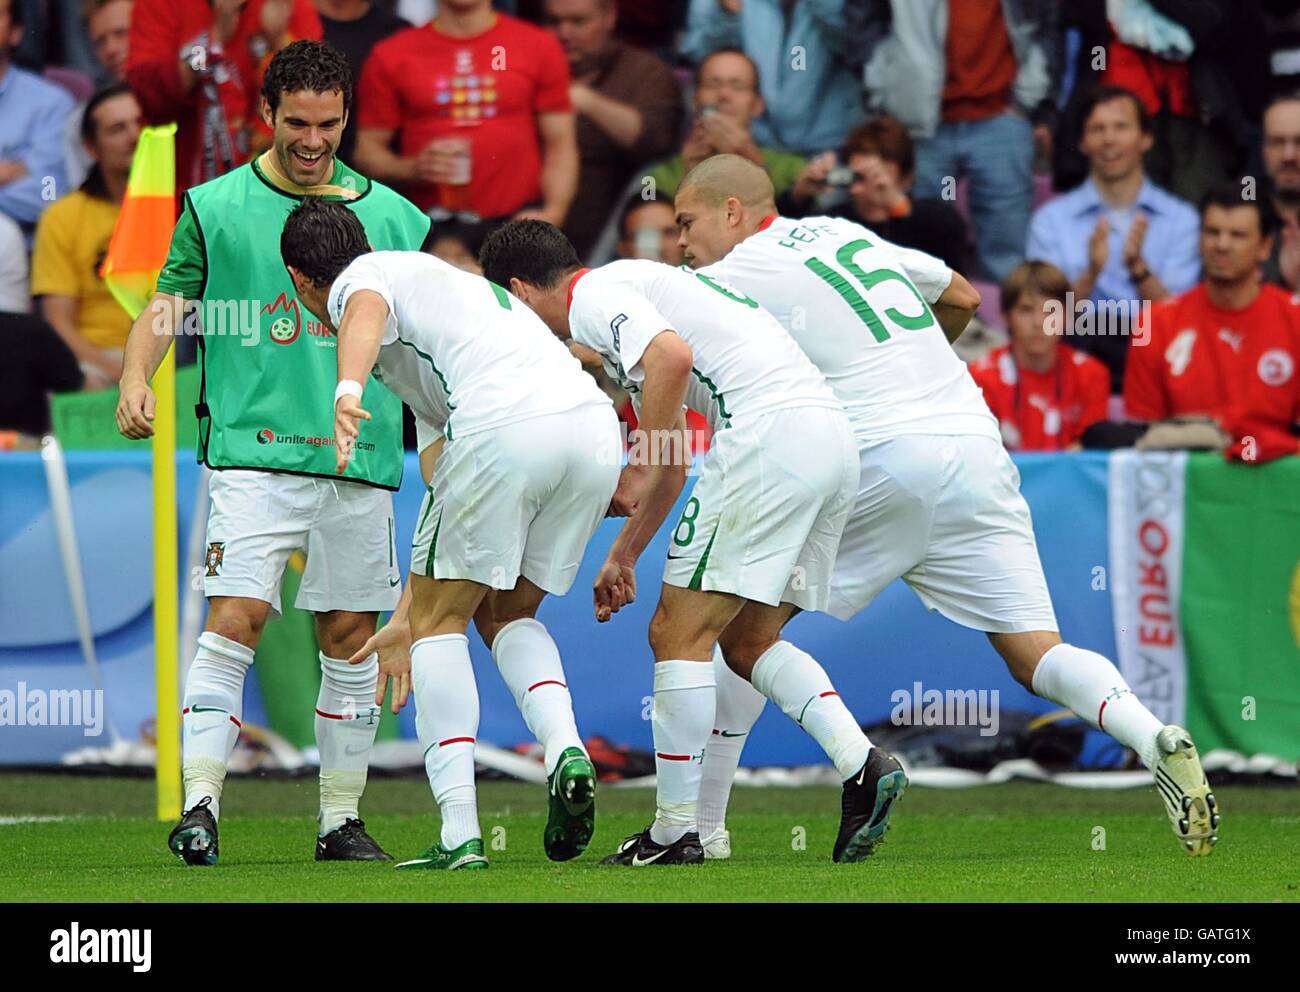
x=136, y=254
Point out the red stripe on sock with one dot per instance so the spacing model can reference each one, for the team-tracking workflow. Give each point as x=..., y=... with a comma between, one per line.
x=1100, y=712
x=825, y=694
x=716, y=731
x=456, y=740
x=185, y=711
x=236, y=722
x=672, y=757
x=538, y=685
x=330, y=716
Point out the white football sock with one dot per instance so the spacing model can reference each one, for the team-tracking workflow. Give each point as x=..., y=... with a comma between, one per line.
x=800, y=686
x=446, y=720
x=738, y=709
x=682, y=721
x=1093, y=688
x=347, y=720
x=529, y=662
x=212, y=715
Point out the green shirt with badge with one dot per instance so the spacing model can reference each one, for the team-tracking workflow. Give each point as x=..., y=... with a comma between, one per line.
x=269, y=367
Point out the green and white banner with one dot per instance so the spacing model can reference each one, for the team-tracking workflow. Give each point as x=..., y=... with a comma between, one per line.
x=1205, y=593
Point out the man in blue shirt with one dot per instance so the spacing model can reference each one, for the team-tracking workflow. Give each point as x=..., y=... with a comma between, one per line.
x=801, y=52
x=33, y=120
x=1119, y=237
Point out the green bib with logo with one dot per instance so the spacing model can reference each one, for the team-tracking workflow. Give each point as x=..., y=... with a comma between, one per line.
x=269, y=368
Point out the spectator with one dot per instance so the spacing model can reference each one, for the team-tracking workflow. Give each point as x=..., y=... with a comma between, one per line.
x=1281, y=153
x=648, y=229
x=72, y=240
x=355, y=27
x=628, y=105
x=1044, y=394
x=33, y=115
x=811, y=93
x=108, y=23
x=1229, y=347
x=36, y=364
x=14, y=295
x=1119, y=237
x=199, y=63
x=108, y=26
x=478, y=103
x=874, y=186
x=1184, y=61
x=977, y=96
x=727, y=103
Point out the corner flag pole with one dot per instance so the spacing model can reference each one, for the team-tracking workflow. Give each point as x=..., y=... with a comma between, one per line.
x=136, y=254
x=165, y=593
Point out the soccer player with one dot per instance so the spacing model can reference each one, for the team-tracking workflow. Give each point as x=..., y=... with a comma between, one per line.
x=265, y=428
x=757, y=536
x=526, y=448
x=939, y=502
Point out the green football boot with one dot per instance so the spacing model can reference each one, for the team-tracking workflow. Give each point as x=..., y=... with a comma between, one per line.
x=571, y=796
x=468, y=855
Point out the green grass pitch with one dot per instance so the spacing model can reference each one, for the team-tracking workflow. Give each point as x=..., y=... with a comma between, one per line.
x=1015, y=842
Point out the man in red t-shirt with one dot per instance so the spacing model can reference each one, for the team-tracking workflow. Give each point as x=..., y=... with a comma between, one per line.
x=1229, y=347
x=200, y=64
x=478, y=102
x=1044, y=394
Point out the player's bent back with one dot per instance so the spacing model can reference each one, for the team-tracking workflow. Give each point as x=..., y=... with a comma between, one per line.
x=857, y=306
x=463, y=353
x=533, y=448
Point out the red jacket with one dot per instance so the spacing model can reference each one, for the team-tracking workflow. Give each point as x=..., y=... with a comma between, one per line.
x=1044, y=411
x=1238, y=366
x=161, y=31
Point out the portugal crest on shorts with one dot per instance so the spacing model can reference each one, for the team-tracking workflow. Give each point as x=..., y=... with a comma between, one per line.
x=216, y=552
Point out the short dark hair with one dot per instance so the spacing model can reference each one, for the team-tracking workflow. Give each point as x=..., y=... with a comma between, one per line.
x=315, y=66
x=728, y=50
x=884, y=136
x=531, y=251
x=1098, y=95
x=16, y=13
x=1042, y=278
x=321, y=238
x=1232, y=193
x=101, y=96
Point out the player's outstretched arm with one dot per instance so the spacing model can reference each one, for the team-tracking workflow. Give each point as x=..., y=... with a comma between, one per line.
x=392, y=642
x=146, y=346
x=360, y=332
x=666, y=364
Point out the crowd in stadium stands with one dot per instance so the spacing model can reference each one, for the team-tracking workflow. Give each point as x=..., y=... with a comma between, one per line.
x=1120, y=178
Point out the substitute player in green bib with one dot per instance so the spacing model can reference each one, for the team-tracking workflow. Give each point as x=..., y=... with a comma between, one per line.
x=265, y=425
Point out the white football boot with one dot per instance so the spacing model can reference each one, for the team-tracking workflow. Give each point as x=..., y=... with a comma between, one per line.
x=717, y=846
x=1180, y=780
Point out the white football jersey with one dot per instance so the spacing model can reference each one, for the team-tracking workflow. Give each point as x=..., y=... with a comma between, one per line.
x=745, y=364
x=859, y=308
x=464, y=354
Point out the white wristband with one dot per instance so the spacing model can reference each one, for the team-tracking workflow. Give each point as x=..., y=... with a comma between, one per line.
x=348, y=387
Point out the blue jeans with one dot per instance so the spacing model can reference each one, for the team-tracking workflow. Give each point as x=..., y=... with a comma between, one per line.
x=997, y=156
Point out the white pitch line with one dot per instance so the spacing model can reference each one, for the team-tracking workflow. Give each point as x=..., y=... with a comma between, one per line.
x=14, y=821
